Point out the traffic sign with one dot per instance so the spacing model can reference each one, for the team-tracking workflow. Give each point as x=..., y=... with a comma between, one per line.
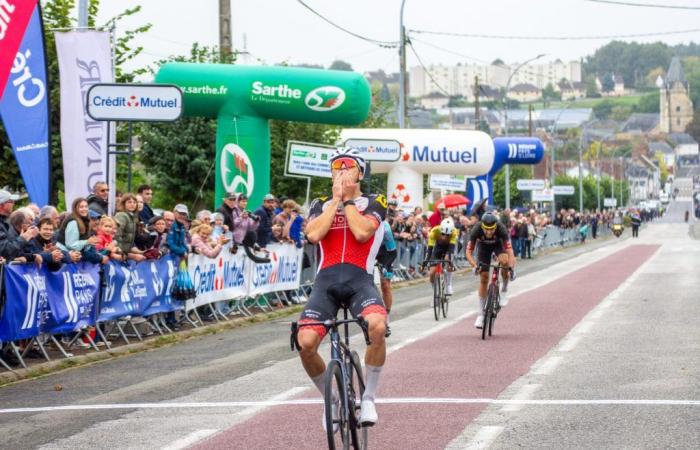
x=544, y=195
x=448, y=182
x=530, y=185
x=309, y=159
x=610, y=202
x=563, y=190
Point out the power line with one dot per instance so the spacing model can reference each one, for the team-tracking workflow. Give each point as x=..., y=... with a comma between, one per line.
x=554, y=38
x=430, y=44
x=645, y=5
x=430, y=75
x=388, y=44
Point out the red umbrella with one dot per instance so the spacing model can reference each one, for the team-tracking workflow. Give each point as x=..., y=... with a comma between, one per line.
x=453, y=200
x=448, y=201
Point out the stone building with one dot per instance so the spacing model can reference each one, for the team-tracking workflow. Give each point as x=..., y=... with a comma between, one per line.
x=674, y=103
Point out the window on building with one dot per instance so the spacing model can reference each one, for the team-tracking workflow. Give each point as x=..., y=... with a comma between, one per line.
x=678, y=121
x=678, y=109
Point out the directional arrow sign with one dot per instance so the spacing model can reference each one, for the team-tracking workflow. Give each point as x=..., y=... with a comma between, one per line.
x=530, y=185
x=563, y=190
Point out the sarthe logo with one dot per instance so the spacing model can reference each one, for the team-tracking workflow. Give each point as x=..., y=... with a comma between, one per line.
x=236, y=170
x=326, y=98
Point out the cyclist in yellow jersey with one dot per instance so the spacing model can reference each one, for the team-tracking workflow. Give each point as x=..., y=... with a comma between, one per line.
x=442, y=241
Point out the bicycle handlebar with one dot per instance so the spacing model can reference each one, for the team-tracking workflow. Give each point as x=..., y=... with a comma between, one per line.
x=434, y=262
x=330, y=324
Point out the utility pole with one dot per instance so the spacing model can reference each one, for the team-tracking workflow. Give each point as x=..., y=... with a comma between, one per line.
x=477, y=119
x=225, y=41
x=529, y=121
x=402, y=69
x=82, y=14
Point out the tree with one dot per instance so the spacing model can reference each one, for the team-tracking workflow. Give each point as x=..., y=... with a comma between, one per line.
x=498, y=62
x=549, y=94
x=693, y=127
x=340, y=65
x=499, y=185
x=663, y=168
x=603, y=109
x=649, y=103
x=57, y=15
x=607, y=83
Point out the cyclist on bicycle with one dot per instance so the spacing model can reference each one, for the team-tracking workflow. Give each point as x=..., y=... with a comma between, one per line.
x=442, y=241
x=385, y=260
x=347, y=229
x=492, y=238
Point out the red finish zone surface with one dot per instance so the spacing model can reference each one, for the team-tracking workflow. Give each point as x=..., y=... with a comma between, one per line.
x=453, y=363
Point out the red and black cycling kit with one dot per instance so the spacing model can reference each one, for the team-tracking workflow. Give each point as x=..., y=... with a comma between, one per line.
x=345, y=266
x=496, y=244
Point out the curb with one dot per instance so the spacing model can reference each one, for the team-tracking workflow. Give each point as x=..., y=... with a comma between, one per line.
x=158, y=341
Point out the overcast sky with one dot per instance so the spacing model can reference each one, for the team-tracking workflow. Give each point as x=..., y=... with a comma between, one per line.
x=283, y=30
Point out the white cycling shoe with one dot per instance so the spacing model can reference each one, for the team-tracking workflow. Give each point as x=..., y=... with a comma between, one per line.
x=479, y=321
x=336, y=416
x=368, y=413
x=503, y=299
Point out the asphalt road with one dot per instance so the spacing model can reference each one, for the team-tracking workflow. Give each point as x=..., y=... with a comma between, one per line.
x=588, y=330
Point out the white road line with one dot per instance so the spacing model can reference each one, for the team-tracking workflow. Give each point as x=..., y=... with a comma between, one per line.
x=570, y=343
x=525, y=393
x=484, y=438
x=318, y=401
x=584, y=327
x=548, y=365
x=190, y=439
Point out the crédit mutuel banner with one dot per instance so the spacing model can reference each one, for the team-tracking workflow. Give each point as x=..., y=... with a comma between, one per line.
x=24, y=106
x=84, y=59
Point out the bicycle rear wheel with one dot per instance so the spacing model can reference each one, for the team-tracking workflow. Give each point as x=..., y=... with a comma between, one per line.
x=443, y=299
x=437, y=295
x=359, y=435
x=334, y=389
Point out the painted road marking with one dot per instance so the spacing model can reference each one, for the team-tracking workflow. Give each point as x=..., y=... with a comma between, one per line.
x=484, y=438
x=570, y=343
x=385, y=401
x=190, y=439
x=548, y=366
x=525, y=393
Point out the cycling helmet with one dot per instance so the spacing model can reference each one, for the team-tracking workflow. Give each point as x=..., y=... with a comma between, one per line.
x=488, y=222
x=447, y=226
x=349, y=152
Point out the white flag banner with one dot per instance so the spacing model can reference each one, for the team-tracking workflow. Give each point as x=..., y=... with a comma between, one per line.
x=84, y=59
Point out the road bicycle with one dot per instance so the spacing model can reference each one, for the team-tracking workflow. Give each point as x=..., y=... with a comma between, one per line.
x=493, y=296
x=440, y=297
x=343, y=381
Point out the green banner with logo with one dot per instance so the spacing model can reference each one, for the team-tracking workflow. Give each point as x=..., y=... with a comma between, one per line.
x=243, y=98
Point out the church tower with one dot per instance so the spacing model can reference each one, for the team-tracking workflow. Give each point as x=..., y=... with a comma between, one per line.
x=675, y=105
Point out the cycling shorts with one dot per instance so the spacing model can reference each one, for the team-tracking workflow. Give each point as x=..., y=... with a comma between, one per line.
x=341, y=284
x=441, y=251
x=484, y=252
x=386, y=258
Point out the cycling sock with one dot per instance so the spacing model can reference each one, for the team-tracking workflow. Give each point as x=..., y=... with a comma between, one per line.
x=372, y=379
x=320, y=382
x=448, y=278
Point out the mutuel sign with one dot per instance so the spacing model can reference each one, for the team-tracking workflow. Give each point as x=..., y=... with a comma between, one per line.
x=134, y=102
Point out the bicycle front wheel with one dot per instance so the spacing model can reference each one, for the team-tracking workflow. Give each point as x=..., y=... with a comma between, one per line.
x=335, y=398
x=358, y=433
x=443, y=298
x=437, y=295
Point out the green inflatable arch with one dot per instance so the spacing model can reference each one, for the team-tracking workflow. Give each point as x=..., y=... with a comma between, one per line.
x=243, y=98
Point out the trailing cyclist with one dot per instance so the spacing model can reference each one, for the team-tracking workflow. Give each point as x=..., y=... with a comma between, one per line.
x=385, y=260
x=347, y=229
x=442, y=241
x=490, y=237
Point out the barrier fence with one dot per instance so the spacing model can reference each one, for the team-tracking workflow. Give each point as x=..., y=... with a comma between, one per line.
x=37, y=304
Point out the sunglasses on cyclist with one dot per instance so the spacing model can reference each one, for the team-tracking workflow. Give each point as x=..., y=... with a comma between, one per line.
x=343, y=163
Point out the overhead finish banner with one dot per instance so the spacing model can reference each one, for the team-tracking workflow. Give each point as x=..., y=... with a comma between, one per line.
x=84, y=59
x=14, y=17
x=25, y=111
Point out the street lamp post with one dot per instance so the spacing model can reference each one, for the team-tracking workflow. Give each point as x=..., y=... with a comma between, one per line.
x=554, y=147
x=505, y=120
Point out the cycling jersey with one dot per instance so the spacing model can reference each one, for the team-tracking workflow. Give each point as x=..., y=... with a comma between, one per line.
x=339, y=246
x=435, y=237
x=389, y=242
x=498, y=243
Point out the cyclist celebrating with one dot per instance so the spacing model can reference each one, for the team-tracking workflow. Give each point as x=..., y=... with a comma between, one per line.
x=442, y=241
x=492, y=237
x=347, y=229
